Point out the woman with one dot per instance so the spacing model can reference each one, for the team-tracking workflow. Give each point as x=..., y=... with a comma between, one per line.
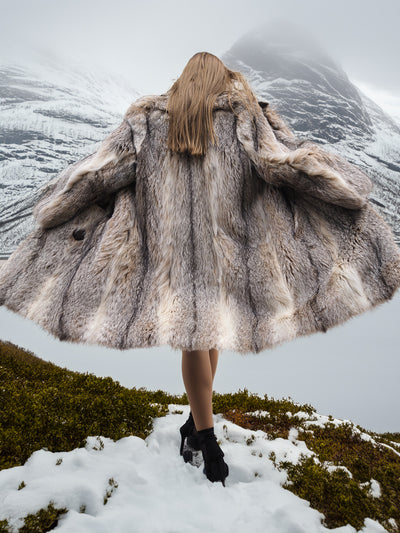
x=204, y=224
x=190, y=107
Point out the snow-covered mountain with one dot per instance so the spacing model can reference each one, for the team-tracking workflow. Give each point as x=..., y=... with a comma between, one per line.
x=291, y=71
x=53, y=114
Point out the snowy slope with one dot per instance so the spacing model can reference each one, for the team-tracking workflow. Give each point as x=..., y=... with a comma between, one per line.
x=151, y=489
x=291, y=71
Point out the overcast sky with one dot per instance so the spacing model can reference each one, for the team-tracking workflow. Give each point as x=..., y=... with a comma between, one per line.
x=149, y=42
x=353, y=370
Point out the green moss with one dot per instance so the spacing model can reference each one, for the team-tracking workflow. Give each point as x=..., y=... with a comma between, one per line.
x=238, y=407
x=335, y=494
x=4, y=526
x=43, y=520
x=391, y=439
x=341, y=445
x=55, y=408
x=339, y=497
x=244, y=402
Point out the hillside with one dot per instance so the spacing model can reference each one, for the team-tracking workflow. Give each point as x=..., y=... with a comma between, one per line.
x=83, y=453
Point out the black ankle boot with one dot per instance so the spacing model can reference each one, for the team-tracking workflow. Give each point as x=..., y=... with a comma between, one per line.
x=215, y=467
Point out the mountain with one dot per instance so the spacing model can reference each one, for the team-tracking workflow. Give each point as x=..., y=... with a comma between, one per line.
x=289, y=69
x=53, y=114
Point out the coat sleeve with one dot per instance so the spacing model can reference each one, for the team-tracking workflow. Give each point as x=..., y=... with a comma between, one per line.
x=282, y=159
x=88, y=180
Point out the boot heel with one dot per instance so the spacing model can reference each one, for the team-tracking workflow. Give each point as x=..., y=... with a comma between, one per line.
x=188, y=432
x=185, y=431
x=182, y=441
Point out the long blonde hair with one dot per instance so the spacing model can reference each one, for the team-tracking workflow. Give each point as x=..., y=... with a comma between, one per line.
x=191, y=99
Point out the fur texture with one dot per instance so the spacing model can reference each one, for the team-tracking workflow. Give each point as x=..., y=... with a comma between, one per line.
x=265, y=239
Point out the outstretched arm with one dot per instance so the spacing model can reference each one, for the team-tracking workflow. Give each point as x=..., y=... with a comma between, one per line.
x=110, y=168
x=282, y=159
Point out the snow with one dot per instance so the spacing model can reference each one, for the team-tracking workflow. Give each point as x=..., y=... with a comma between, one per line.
x=321, y=420
x=365, y=436
x=298, y=414
x=258, y=413
x=332, y=467
x=152, y=489
x=374, y=488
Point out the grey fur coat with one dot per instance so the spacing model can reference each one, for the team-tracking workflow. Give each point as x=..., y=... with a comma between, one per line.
x=264, y=239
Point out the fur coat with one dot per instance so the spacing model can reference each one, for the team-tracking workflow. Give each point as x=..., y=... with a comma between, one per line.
x=264, y=239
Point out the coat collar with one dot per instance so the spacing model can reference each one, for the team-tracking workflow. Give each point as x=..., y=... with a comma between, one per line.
x=159, y=101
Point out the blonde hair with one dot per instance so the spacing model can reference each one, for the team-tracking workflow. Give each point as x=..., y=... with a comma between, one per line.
x=191, y=99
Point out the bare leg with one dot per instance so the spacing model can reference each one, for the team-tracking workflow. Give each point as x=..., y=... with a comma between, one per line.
x=213, y=360
x=198, y=380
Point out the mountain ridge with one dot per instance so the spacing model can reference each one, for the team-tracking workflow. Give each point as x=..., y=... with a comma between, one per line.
x=55, y=114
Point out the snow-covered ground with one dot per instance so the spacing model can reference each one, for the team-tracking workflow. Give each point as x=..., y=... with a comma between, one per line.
x=151, y=489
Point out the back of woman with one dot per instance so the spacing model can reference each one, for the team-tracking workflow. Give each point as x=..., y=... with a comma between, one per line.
x=204, y=224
